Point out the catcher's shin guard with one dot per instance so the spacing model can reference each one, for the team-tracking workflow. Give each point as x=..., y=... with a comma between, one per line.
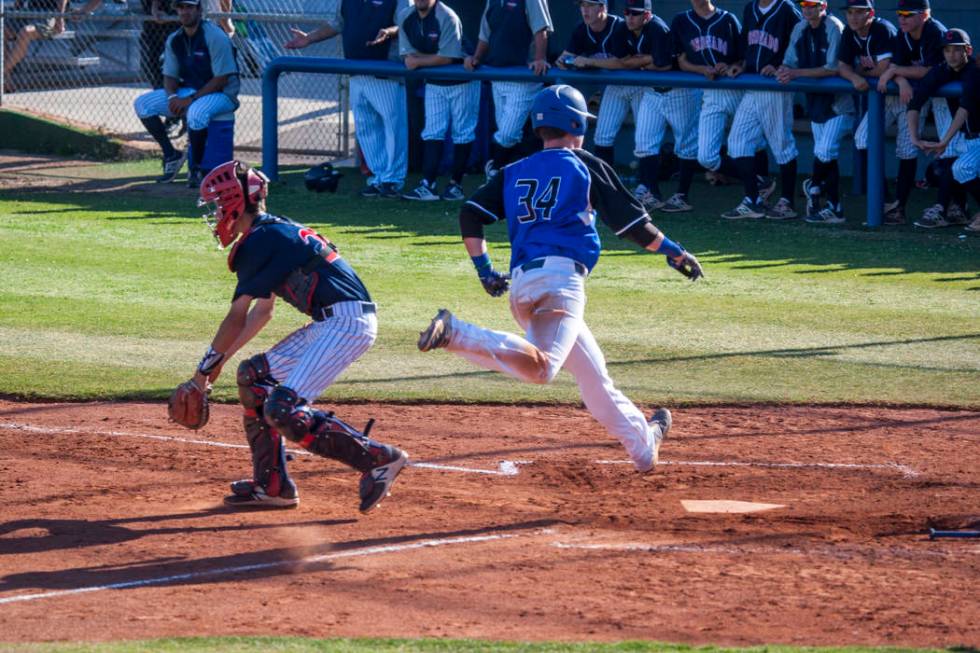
x=268, y=453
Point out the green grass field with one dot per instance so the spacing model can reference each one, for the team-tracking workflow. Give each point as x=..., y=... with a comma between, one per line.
x=116, y=295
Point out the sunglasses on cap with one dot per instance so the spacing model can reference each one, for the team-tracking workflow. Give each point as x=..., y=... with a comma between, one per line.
x=806, y=4
x=905, y=13
x=634, y=12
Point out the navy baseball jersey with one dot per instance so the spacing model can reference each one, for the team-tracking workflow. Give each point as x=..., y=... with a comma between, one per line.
x=927, y=51
x=936, y=78
x=283, y=257
x=765, y=34
x=971, y=101
x=817, y=47
x=508, y=28
x=550, y=200
x=707, y=41
x=359, y=22
x=607, y=44
x=654, y=40
x=864, y=53
x=440, y=32
x=195, y=60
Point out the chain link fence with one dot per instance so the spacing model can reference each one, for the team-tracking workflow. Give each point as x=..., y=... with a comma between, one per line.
x=88, y=69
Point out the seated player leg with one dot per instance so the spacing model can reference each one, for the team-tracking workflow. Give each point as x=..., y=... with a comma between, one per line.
x=270, y=484
x=327, y=436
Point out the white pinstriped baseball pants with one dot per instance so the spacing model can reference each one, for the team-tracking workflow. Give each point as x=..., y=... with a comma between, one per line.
x=549, y=304
x=943, y=118
x=458, y=105
x=311, y=358
x=763, y=117
x=967, y=165
x=677, y=108
x=717, y=108
x=616, y=101
x=200, y=113
x=381, y=127
x=511, y=104
x=894, y=115
x=827, y=136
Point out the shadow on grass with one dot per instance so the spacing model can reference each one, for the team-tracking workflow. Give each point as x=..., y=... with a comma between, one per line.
x=745, y=246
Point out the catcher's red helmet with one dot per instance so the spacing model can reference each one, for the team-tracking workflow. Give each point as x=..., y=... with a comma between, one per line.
x=229, y=190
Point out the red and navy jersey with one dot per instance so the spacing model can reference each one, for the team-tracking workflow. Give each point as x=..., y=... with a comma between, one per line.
x=282, y=257
x=654, y=40
x=864, y=53
x=550, y=200
x=707, y=41
x=927, y=51
x=765, y=34
x=610, y=43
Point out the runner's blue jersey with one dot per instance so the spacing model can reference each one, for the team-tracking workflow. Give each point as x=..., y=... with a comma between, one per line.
x=550, y=201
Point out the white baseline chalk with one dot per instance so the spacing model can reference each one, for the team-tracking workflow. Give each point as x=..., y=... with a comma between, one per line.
x=223, y=571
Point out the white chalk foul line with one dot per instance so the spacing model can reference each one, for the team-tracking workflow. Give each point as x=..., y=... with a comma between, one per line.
x=223, y=571
x=904, y=470
x=505, y=468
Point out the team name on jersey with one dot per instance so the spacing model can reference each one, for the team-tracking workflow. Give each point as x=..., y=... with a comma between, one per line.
x=709, y=42
x=765, y=39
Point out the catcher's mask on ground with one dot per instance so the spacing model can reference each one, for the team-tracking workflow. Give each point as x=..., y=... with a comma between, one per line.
x=229, y=191
x=321, y=178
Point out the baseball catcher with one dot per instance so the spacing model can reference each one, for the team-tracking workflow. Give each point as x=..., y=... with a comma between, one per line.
x=272, y=257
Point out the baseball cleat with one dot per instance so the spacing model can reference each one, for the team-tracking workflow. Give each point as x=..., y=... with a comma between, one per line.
x=974, y=226
x=660, y=422
x=676, y=203
x=956, y=215
x=376, y=484
x=422, y=193
x=933, y=218
x=390, y=191
x=649, y=200
x=811, y=192
x=746, y=210
x=453, y=193
x=826, y=215
x=438, y=333
x=371, y=191
x=248, y=494
x=767, y=186
x=782, y=210
x=172, y=166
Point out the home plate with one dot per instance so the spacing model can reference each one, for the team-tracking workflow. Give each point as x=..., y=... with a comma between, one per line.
x=727, y=506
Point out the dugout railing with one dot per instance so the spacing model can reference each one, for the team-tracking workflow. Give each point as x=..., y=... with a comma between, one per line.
x=836, y=85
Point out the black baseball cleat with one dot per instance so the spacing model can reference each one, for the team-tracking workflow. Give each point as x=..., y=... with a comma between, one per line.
x=376, y=483
x=249, y=494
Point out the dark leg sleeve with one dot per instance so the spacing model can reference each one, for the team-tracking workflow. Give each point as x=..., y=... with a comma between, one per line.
x=156, y=129
x=688, y=167
x=747, y=173
x=906, y=179
x=461, y=157
x=431, y=155
x=787, y=184
x=650, y=173
x=198, y=139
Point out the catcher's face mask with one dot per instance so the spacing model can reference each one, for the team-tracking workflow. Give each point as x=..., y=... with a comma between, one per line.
x=227, y=192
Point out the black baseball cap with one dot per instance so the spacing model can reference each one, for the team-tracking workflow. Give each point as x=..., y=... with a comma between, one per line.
x=859, y=4
x=912, y=5
x=638, y=5
x=956, y=37
x=196, y=3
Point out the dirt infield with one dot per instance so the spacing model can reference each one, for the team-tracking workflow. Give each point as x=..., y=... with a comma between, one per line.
x=522, y=523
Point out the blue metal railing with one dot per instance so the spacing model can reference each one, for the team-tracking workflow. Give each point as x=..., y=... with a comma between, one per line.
x=876, y=103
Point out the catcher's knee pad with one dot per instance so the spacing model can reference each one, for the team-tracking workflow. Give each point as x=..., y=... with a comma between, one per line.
x=286, y=412
x=254, y=381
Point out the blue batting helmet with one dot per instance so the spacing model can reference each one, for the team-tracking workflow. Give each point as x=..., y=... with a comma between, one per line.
x=562, y=107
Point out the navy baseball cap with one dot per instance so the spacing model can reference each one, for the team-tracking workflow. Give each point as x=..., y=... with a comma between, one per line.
x=638, y=5
x=917, y=6
x=859, y=4
x=196, y=3
x=956, y=37
x=591, y=2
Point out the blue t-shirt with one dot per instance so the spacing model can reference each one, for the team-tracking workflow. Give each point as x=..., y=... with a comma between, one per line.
x=281, y=257
x=550, y=201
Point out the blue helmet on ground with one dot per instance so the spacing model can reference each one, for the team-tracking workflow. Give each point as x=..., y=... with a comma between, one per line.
x=562, y=107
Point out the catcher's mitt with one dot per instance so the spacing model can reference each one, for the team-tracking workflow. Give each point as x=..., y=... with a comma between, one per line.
x=188, y=405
